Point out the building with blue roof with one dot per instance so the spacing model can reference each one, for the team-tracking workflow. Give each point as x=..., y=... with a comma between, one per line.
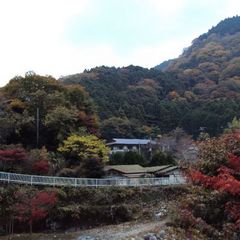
x=126, y=145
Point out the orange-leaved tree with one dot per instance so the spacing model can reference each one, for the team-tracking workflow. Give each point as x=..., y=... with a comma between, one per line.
x=218, y=171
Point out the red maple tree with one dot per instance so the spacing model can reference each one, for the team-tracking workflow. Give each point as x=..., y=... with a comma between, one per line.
x=11, y=157
x=226, y=181
x=33, y=207
x=41, y=166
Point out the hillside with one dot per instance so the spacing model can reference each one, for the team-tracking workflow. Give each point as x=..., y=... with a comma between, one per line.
x=211, y=65
x=61, y=111
x=199, y=89
x=131, y=101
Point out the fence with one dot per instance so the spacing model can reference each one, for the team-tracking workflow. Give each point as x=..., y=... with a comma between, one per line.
x=89, y=182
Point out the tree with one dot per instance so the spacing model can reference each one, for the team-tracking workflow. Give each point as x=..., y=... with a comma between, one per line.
x=117, y=158
x=78, y=148
x=10, y=158
x=215, y=199
x=233, y=126
x=39, y=161
x=161, y=158
x=115, y=126
x=227, y=182
x=90, y=168
x=31, y=207
x=7, y=200
x=61, y=121
x=58, y=105
x=41, y=167
x=131, y=157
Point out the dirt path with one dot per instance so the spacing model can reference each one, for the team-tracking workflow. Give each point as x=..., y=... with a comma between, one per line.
x=118, y=232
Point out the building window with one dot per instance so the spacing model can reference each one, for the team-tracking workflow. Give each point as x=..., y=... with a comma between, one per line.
x=134, y=148
x=125, y=148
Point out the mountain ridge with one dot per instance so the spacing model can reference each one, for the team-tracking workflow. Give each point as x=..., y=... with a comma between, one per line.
x=199, y=88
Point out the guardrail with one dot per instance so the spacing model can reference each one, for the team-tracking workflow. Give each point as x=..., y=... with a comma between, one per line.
x=89, y=182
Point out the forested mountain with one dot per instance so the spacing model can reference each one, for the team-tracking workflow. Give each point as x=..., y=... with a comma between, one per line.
x=132, y=101
x=198, y=90
x=211, y=65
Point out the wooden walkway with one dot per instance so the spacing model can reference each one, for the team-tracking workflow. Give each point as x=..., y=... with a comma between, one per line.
x=88, y=182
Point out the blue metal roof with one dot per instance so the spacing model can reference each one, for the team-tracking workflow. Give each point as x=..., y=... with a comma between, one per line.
x=127, y=141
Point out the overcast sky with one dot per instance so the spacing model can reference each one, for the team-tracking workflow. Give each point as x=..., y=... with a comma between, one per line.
x=60, y=37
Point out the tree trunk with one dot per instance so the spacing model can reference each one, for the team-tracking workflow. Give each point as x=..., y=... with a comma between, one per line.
x=12, y=226
x=9, y=229
x=30, y=225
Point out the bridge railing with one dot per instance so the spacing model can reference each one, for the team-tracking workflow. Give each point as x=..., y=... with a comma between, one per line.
x=89, y=182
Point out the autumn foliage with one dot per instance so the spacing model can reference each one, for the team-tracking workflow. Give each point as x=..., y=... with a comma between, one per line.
x=33, y=207
x=11, y=155
x=12, y=158
x=225, y=180
x=41, y=166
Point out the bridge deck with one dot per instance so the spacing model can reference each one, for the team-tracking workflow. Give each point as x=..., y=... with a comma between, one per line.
x=88, y=182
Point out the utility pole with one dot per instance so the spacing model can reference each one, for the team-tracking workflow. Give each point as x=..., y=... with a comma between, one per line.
x=37, y=123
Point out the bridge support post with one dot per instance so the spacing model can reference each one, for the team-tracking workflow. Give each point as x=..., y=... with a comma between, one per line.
x=96, y=183
x=75, y=183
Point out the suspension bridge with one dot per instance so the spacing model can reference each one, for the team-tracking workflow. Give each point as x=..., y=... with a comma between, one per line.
x=88, y=182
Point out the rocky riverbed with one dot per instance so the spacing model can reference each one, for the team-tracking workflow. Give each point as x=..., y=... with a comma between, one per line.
x=151, y=230
x=146, y=231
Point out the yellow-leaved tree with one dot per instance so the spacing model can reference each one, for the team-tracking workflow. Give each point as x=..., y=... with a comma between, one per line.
x=85, y=156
